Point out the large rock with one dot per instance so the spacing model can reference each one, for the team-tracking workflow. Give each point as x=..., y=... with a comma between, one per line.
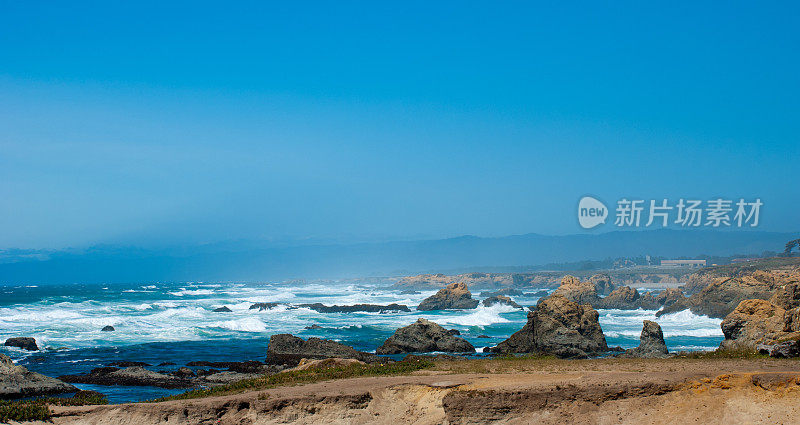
x=559, y=327
x=622, y=298
x=670, y=296
x=754, y=322
x=602, y=284
x=130, y=376
x=574, y=290
x=500, y=299
x=454, y=296
x=18, y=382
x=651, y=343
x=24, y=343
x=424, y=336
x=286, y=349
x=786, y=296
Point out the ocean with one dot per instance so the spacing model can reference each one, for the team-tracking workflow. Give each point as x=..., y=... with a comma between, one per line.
x=175, y=322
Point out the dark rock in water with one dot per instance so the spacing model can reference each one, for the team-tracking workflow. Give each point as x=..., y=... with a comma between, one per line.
x=453, y=332
x=131, y=376
x=505, y=291
x=602, y=284
x=540, y=294
x=312, y=327
x=786, y=349
x=651, y=343
x=19, y=382
x=501, y=299
x=559, y=327
x=649, y=302
x=223, y=309
x=410, y=292
x=108, y=328
x=24, y=343
x=367, y=308
x=263, y=306
x=286, y=349
x=453, y=296
x=184, y=372
x=424, y=336
x=483, y=336
x=250, y=366
x=166, y=364
x=128, y=364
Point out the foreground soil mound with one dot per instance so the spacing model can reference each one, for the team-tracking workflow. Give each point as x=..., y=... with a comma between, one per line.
x=630, y=391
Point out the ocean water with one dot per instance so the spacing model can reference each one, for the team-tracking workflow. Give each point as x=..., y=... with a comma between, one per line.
x=174, y=322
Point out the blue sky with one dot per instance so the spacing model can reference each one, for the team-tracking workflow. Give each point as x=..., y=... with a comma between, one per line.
x=144, y=123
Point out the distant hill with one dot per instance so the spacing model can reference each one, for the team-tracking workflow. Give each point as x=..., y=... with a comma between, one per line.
x=251, y=262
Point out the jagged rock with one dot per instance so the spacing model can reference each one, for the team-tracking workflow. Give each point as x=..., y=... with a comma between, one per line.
x=560, y=327
x=622, y=298
x=648, y=302
x=670, y=296
x=286, y=349
x=368, y=308
x=18, y=382
x=651, y=343
x=753, y=322
x=223, y=309
x=424, y=336
x=25, y=343
x=453, y=296
x=184, y=372
x=263, y=306
x=130, y=376
x=602, y=284
x=306, y=364
x=576, y=291
x=313, y=327
x=505, y=291
x=539, y=294
x=501, y=299
x=787, y=296
x=453, y=332
x=108, y=328
x=786, y=349
x=483, y=336
x=409, y=292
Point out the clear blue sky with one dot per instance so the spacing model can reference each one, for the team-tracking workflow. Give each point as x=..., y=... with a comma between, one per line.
x=147, y=123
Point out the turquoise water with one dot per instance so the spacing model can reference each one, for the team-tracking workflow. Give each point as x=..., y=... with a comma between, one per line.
x=174, y=322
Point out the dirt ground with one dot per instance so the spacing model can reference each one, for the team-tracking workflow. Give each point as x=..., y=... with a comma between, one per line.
x=630, y=391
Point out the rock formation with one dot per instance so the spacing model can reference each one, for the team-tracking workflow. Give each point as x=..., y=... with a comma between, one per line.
x=263, y=306
x=500, y=299
x=651, y=343
x=560, y=327
x=286, y=349
x=424, y=336
x=574, y=290
x=24, y=343
x=108, y=328
x=18, y=382
x=453, y=296
x=223, y=309
x=509, y=292
x=755, y=322
x=623, y=297
x=602, y=284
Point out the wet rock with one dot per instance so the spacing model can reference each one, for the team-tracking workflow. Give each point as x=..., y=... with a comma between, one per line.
x=559, y=327
x=184, y=372
x=651, y=343
x=453, y=332
x=501, y=299
x=108, y=328
x=648, y=302
x=130, y=376
x=540, y=294
x=223, y=309
x=424, y=336
x=286, y=349
x=366, y=308
x=263, y=306
x=453, y=296
x=18, y=382
x=24, y=343
x=670, y=296
x=483, y=336
x=313, y=327
x=622, y=298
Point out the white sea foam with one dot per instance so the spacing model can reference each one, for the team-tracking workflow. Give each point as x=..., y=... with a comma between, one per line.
x=481, y=317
